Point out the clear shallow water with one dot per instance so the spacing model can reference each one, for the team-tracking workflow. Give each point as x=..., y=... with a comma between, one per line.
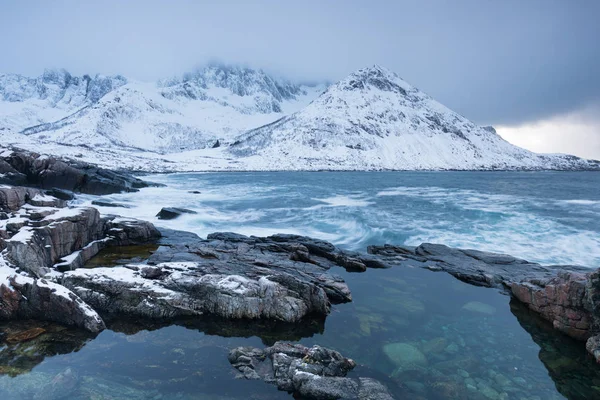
x=465, y=342
x=471, y=344
x=548, y=217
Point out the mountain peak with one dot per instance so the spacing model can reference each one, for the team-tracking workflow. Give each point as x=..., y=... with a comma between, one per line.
x=377, y=77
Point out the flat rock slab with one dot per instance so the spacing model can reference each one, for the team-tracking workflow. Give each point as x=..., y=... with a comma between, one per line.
x=471, y=266
x=282, y=277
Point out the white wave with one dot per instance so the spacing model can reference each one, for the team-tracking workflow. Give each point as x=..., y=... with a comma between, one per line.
x=343, y=201
x=582, y=202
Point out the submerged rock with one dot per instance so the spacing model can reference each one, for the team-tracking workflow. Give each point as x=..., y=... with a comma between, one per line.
x=405, y=356
x=479, y=307
x=567, y=296
x=312, y=373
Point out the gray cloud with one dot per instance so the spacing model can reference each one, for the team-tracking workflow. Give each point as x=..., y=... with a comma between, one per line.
x=503, y=62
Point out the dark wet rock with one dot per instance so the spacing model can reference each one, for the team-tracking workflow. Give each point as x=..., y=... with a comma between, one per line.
x=471, y=266
x=28, y=298
x=312, y=373
x=60, y=194
x=171, y=237
x=25, y=168
x=101, y=203
x=567, y=296
x=194, y=192
x=227, y=275
x=173, y=212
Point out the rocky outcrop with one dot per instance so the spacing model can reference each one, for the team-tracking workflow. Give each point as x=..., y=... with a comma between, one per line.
x=312, y=373
x=173, y=212
x=567, y=296
x=24, y=168
x=39, y=237
x=281, y=277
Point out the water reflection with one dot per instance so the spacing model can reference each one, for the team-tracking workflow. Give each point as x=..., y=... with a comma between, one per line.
x=269, y=332
x=574, y=372
x=25, y=344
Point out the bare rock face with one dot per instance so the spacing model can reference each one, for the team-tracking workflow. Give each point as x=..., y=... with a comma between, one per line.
x=561, y=300
x=39, y=236
x=312, y=373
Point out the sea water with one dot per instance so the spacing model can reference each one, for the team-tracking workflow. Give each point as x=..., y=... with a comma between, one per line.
x=425, y=335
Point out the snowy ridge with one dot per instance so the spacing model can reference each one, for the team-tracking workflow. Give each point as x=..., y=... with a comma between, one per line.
x=225, y=118
x=375, y=120
x=26, y=102
x=211, y=104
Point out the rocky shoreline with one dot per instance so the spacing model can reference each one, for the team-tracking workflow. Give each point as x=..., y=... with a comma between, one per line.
x=284, y=279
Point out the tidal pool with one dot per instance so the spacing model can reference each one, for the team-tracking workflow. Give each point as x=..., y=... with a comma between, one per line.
x=424, y=334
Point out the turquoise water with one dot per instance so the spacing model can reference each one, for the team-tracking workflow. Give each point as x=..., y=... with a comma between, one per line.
x=464, y=342
x=548, y=217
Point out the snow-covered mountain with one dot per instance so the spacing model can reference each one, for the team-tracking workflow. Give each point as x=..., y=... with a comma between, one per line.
x=211, y=104
x=233, y=118
x=26, y=102
x=375, y=120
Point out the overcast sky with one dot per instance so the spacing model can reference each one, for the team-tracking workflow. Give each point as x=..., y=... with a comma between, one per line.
x=531, y=68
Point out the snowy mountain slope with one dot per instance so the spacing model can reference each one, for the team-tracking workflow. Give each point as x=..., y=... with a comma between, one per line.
x=375, y=120
x=371, y=120
x=213, y=103
x=26, y=102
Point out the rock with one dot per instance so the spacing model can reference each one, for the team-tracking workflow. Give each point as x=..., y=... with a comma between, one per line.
x=100, y=203
x=436, y=345
x=47, y=301
x=593, y=347
x=13, y=198
x=194, y=192
x=25, y=168
x=471, y=266
x=173, y=212
x=226, y=275
x=312, y=373
x=405, y=356
x=60, y=194
x=479, y=307
x=43, y=238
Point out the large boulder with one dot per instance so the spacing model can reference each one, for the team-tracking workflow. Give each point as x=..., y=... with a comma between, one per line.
x=173, y=212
